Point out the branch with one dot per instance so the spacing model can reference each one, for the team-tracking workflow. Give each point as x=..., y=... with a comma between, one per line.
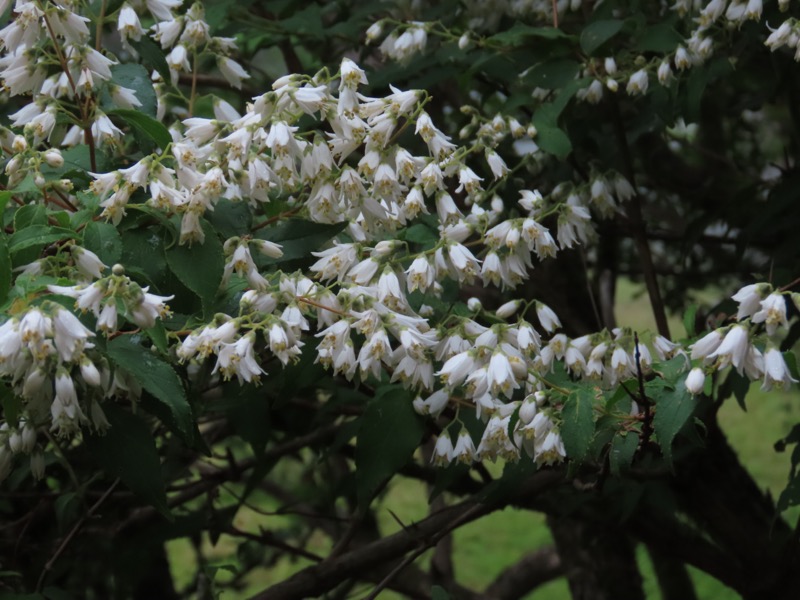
x=530, y=572
x=73, y=532
x=317, y=579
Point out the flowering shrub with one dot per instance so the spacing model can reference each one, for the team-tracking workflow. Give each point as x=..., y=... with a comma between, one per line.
x=214, y=272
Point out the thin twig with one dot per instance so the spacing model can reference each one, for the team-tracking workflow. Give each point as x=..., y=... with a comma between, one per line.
x=73, y=532
x=640, y=235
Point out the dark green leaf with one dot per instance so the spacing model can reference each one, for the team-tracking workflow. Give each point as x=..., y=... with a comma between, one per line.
x=623, y=447
x=5, y=268
x=199, y=266
x=103, y=239
x=519, y=32
x=155, y=376
x=390, y=432
x=145, y=125
x=230, y=218
x=553, y=74
x=577, y=429
x=37, y=235
x=299, y=238
x=152, y=55
x=439, y=593
x=689, y=318
x=137, y=78
x=674, y=407
x=659, y=38
x=553, y=140
x=128, y=451
x=30, y=214
x=598, y=33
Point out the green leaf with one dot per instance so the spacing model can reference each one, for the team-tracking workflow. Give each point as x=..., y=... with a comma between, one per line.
x=689, y=318
x=30, y=214
x=103, y=239
x=598, y=33
x=390, y=432
x=439, y=593
x=137, y=78
x=660, y=38
x=623, y=447
x=155, y=376
x=152, y=55
x=553, y=140
x=674, y=407
x=37, y=235
x=199, y=267
x=553, y=74
x=5, y=268
x=230, y=218
x=519, y=32
x=577, y=429
x=299, y=238
x=145, y=125
x=128, y=451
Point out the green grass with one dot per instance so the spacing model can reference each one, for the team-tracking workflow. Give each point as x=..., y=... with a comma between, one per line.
x=485, y=547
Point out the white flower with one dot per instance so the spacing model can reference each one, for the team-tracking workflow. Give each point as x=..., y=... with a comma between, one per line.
x=70, y=335
x=733, y=349
x=703, y=347
x=128, y=23
x=695, y=380
x=464, y=451
x=749, y=299
x=443, y=450
x=772, y=313
x=547, y=317
x=238, y=359
x=456, y=369
x=775, y=370
x=88, y=262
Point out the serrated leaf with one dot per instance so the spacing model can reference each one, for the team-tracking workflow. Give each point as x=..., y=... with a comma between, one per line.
x=674, y=407
x=156, y=376
x=231, y=218
x=517, y=34
x=153, y=55
x=104, y=240
x=553, y=140
x=200, y=266
x=553, y=74
x=299, y=238
x=623, y=447
x=137, y=78
x=390, y=431
x=577, y=428
x=659, y=38
x=145, y=125
x=598, y=33
x=5, y=268
x=128, y=451
x=30, y=214
x=37, y=235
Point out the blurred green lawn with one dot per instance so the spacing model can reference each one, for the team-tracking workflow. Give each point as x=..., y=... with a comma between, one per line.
x=486, y=547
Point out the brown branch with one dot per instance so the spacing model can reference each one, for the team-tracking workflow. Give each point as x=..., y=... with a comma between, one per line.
x=71, y=535
x=317, y=579
x=521, y=578
x=640, y=235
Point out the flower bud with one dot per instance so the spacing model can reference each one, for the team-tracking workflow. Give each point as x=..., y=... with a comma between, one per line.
x=508, y=309
x=19, y=144
x=53, y=158
x=474, y=304
x=695, y=380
